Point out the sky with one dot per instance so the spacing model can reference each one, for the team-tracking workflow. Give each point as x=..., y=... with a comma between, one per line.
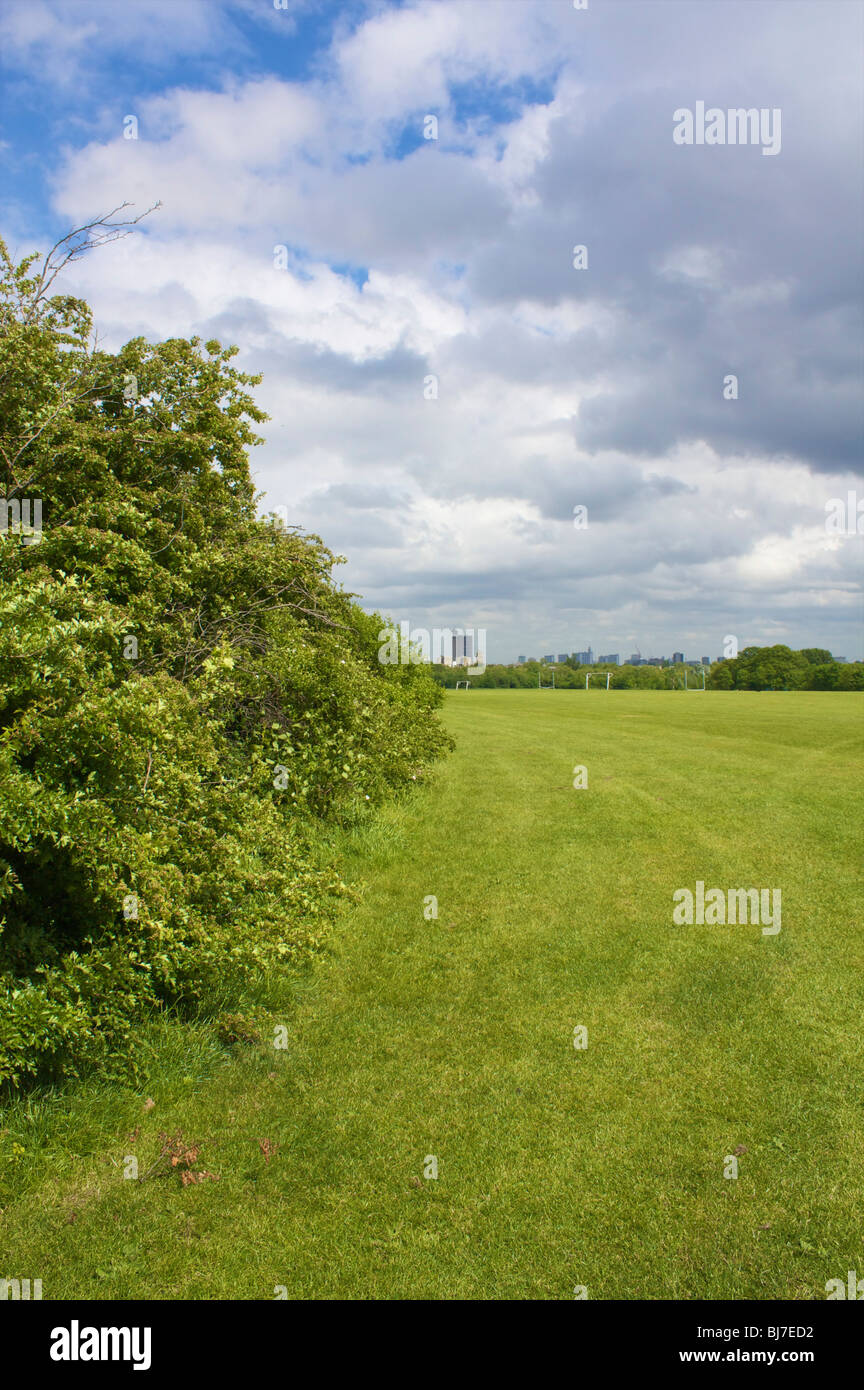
x=379, y=203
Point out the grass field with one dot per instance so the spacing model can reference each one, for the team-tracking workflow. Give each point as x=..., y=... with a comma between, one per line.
x=600, y=1167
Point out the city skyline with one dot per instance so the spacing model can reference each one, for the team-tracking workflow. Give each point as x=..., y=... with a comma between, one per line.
x=636, y=658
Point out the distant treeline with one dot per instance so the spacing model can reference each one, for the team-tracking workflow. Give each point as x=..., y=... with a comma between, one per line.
x=755, y=668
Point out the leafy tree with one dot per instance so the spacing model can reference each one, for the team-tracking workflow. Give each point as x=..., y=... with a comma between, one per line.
x=850, y=676
x=722, y=675
x=185, y=692
x=824, y=676
x=817, y=656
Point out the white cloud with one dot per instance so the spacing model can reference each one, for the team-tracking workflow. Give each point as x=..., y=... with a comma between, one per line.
x=482, y=480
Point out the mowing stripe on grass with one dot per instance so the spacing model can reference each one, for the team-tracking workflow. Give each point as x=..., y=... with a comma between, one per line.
x=453, y=1039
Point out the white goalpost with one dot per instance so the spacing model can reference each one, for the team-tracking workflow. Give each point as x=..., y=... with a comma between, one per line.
x=467, y=684
x=589, y=674
x=540, y=686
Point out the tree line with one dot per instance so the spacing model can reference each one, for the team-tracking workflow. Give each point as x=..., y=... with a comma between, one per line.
x=755, y=668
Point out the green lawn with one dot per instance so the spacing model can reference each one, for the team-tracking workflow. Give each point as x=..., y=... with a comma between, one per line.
x=453, y=1038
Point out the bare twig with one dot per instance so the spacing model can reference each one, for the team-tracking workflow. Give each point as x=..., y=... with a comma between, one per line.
x=76, y=243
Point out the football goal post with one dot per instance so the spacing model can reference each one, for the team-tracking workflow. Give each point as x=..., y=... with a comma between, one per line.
x=541, y=686
x=589, y=674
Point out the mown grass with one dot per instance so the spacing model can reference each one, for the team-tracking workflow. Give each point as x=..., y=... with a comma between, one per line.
x=454, y=1038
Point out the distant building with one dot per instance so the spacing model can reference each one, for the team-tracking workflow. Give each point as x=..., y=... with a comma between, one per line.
x=585, y=658
x=562, y=657
x=635, y=660
x=463, y=648
x=654, y=661
x=520, y=661
x=841, y=659
x=677, y=658
x=550, y=659
x=706, y=661
x=610, y=660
